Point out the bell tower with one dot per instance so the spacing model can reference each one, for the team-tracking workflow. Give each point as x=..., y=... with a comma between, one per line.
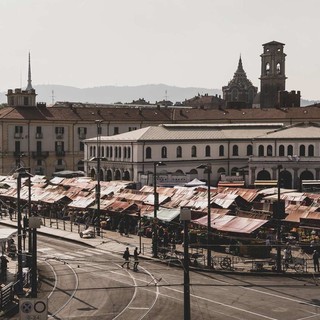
x=273, y=78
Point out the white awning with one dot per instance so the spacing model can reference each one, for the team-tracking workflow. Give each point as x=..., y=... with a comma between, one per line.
x=7, y=233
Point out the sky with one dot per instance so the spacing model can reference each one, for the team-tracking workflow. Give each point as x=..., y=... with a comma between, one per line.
x=184, y=43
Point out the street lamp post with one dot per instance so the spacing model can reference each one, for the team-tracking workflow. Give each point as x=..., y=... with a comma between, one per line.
x=185, y=216
x=207, y=168
x=98, y=187
x=155, y=207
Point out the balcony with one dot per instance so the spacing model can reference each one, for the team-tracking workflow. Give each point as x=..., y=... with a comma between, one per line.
x=18, y=154
x=40, y=154
x=60, y=153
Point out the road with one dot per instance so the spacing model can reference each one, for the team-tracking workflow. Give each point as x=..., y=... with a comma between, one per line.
x=88, y=283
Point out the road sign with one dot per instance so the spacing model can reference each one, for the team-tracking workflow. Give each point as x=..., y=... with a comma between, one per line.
x=33, y=309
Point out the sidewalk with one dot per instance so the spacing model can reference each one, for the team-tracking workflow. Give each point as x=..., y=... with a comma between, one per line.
x=112, y=241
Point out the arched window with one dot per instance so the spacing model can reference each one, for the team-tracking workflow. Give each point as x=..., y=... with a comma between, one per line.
x=116, y=152
x=234, y=171
x=278, y=68
x=221, y=170
x=208, y=151
x=281, y=150
x=119, y=151
x=234, y=94
x=267, y=68
x=129, y=152
x=302, y=150
x=125, y=152
x=269, y=150
x=91, y=152
x=94, y=151
x=193, y=151
x=148, y=153
x=111, y=152
x=310, y=150
x=290, y=150
x=179, y=152
x=249, y=150
x=221, y=150
x=261, y=150
x=235, y=150
x=102, y=152
x=163, y=152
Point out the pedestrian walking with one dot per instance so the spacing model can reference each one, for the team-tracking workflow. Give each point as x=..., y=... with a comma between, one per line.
x=315, y=257
x=126, y=257
x=136, y=259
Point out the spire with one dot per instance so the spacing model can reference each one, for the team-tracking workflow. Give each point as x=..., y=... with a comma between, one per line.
x=240, y=67
x=29, y=86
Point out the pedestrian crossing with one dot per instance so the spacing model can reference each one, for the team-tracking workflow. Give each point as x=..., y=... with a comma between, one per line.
x=52, y=253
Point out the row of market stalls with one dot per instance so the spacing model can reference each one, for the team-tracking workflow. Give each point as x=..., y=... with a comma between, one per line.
x=237, y=214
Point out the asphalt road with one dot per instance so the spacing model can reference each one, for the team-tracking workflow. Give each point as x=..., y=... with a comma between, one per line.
x=88, y=283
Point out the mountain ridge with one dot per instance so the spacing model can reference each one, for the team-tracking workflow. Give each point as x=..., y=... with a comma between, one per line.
x=111, y=94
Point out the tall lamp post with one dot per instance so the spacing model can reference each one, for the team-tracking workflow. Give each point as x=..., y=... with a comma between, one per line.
x=20, y=172
x=98, y=187
x=207, y=168
x=185, y=216
x=155, y=207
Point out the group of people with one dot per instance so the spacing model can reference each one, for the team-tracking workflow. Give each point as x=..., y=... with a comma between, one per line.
x=126, y=257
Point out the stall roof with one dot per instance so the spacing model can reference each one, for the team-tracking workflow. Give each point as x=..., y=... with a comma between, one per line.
x=81, y=202
x=242, y=225
x=7, y=233
x=164, y=214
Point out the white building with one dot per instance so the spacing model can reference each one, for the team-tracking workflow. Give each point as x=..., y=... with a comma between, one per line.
x=183, y=148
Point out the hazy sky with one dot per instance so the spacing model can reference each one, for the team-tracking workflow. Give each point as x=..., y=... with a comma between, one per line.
x=186, y=43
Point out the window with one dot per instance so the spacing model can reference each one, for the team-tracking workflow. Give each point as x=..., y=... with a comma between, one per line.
x=39, y=133
x=111, y=152
x=249, y=150
x=208, y=151
x=60, y=162
x=39, y=146
x=81, y=146
x=234, y=171
x=267, y=69
x=302, y=150
x=39, y=162
x=116, y=152
x=132, y=128
x=116, y=130
x=193, y=151
x=25, y=101
x=310, y=150
x=261, y=151
x=119, y=151
x=234, y=94
x=235, y=150
x=278, y=68
x=221, y=150
x=148, y=153
x=59, y=132
x=290, y=150
x=269, y=150
x=108, y=152
x=129, y=153
x=18, y=130
x=221, y=171
x=163, y=152
x=82, y=132
x=179, y=152
x=91, y=152
x=125, y=152
x=281, y=150
x=59, y=147
x=99, y=129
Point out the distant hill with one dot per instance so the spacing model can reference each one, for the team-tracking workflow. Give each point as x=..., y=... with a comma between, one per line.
x=123, y=94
